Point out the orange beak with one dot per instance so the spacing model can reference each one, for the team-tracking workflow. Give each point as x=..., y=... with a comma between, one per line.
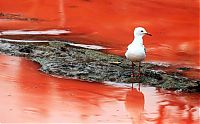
x=148, y=34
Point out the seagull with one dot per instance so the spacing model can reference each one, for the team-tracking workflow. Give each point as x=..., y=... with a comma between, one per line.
x=136, y=51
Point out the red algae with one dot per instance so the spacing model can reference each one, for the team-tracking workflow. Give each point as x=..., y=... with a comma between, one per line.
x=174, y=24
x=28, y=95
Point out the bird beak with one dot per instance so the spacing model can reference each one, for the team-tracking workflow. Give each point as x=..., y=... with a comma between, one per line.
x=148, y=34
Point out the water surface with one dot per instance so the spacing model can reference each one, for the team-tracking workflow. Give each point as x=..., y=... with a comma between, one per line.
x=173, y=24
x=28, y=95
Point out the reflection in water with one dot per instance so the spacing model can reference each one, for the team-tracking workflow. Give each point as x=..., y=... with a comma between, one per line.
x=37, y=97
x=27, y=95
x=176, y=109
x=37, y=90
x=135, y=105
x=167, y=108
x=62, y=13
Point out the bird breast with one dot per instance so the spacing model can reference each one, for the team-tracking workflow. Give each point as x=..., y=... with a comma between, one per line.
x=135, y=53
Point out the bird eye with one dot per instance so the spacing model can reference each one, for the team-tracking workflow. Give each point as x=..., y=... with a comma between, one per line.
x=141, y=30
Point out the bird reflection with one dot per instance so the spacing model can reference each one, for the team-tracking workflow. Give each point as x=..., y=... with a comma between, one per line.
x=135, y=105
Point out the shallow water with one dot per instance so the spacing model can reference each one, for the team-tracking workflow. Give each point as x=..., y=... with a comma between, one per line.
x=174, y=24
x=28, y=95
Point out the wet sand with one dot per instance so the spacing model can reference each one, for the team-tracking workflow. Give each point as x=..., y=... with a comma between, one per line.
x=28, y=95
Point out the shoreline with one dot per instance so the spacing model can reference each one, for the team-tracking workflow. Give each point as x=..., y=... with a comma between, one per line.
x=68, y=61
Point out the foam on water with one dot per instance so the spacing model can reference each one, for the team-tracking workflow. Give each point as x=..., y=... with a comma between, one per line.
x=87, y=46
x=47, y=32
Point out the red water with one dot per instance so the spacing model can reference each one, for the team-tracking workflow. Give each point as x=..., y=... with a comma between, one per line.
x=174, y=24
x=28, y=95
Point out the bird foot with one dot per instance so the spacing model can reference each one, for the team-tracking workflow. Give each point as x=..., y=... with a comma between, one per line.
x=135, y=80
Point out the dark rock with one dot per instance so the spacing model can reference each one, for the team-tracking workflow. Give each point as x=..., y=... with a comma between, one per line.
x=26, y=49
x=184, y=68
x=72, y=62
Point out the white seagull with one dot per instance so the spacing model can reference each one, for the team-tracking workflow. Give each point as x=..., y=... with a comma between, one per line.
x=136, y=50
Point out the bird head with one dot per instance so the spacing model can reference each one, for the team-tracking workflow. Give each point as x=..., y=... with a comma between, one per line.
x=139, y=31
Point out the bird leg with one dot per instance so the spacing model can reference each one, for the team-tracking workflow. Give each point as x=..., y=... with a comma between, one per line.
x=139, y=74
x=139, y=86
x=133, y=75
